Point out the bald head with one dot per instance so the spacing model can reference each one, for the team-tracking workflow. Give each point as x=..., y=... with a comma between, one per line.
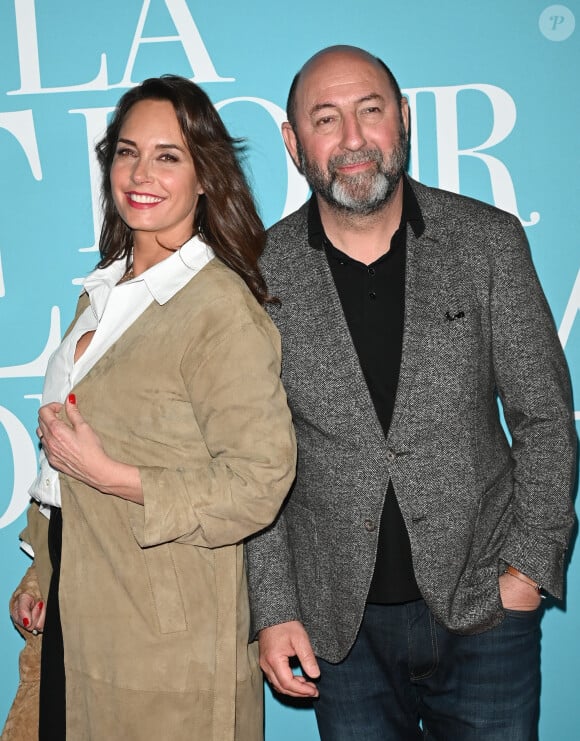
x=324, y=61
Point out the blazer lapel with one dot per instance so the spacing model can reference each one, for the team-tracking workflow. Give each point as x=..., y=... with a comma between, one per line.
x=429, y=288
x=335, y=362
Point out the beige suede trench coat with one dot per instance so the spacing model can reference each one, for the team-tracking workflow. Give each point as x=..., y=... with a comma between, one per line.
x=153, y=598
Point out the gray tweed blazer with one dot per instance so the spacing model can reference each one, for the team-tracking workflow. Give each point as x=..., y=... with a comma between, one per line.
x=477, y=328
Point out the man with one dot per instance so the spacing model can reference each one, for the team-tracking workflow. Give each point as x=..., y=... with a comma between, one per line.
x=405, y=569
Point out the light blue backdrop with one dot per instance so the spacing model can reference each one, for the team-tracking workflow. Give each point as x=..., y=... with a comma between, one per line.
x=495, y=99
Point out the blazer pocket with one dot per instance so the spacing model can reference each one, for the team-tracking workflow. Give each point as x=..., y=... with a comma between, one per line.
x=458, y=322
x=447, y=340
x=165, y=589
x=492, y=523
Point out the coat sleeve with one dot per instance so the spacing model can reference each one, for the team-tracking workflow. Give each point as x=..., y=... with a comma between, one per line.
x=35, y=535
x=533, y=385
x=233, y=382
x=271, y=578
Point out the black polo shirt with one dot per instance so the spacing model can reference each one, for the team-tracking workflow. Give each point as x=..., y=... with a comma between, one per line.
x=373, y=301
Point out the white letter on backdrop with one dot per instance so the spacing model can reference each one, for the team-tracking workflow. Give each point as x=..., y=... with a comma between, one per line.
x=296, y=185
x=24, y=462
x=27, y=39
x=570, y=316
x=571, y=312
x=448, y=152
x=189, y=37
x=21, y=125
x=37, y=367
x=96, y=123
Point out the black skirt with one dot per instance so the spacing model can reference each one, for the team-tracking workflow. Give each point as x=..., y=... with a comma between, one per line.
x=52, y=722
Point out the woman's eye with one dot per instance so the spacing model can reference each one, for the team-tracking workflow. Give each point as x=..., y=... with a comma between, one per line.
x=168, y=158
x=124, y=152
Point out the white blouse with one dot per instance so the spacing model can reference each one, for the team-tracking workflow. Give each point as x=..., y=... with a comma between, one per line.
x=113, y=309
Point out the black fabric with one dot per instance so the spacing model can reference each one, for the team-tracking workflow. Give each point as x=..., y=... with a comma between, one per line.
x=52, y=718
x=373, y=301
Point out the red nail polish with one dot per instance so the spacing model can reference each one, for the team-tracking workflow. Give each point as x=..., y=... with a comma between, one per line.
x=25, y=622
x=72, y=399
x=40, y=605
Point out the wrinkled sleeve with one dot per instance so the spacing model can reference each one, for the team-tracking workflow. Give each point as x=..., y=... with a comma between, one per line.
x=240, y=406
x=533, y=385
x=35, y=535
x=271, y=578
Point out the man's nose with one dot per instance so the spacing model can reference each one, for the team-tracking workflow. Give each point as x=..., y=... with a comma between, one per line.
x=352, y=133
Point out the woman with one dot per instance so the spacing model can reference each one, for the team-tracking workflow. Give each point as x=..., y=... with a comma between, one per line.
x=164, y=416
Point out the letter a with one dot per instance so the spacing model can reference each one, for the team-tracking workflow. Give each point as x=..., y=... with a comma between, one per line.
x=571, y=313
x=188, y=36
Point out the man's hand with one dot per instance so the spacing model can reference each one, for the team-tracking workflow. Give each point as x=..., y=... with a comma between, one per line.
x=516, y=594
x=277, y=644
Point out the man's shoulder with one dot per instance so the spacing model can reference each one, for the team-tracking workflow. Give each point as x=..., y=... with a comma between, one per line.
x=287, y=240
x=449, y=207
x=292, y=226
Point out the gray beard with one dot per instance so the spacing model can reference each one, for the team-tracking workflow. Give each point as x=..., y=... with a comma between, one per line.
x=362, y=194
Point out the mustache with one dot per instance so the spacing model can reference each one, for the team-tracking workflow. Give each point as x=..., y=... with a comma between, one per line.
x=355, y=158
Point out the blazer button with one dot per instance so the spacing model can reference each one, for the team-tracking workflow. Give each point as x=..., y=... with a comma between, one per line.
x=370, y=526
x=391, y=455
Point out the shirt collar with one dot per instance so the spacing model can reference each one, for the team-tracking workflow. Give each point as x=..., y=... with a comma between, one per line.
x=162, y=280
x=411, y=214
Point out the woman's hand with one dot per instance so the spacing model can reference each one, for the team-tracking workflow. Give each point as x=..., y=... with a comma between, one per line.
x=28, y=613
x=74, y=448
x=71, y=445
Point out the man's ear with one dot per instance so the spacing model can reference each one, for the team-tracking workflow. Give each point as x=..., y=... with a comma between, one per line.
x=405, y=113
x=290, y=141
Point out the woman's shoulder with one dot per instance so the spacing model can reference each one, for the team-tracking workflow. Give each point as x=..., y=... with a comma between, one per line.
x=222, y=307
x=217, y=284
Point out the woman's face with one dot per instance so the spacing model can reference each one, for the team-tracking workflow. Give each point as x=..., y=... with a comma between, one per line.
x=153, y=180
